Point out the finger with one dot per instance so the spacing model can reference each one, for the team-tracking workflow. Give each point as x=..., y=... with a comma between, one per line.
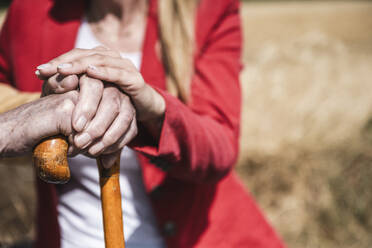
x=107, y=111
x=117, y=129
x=125, y=139
x=72, y=149
x=58, y=84
x=109, y=160
x=64, y=111
x=80, y=65
x=39, y=76
x=91, y=91
x=50, y=68
x=126, y=78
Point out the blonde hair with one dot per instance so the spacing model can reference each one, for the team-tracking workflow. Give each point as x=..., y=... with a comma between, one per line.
x=176, y=23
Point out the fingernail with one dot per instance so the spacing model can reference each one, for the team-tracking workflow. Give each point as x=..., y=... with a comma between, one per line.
x=43, y=66
x=92, y=67
x=80, y=124
x=37, y=73
x=82, y=140
x=96, y=148
x=64, y=66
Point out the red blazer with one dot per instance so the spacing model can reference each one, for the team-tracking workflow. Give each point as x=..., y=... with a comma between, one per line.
x=197, y=199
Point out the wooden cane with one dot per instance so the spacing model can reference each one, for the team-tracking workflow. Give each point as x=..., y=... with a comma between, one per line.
x=50, y=160
x=111, y=204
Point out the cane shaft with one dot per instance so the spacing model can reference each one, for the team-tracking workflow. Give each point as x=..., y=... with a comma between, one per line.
x=111, y=205
x=50, y=160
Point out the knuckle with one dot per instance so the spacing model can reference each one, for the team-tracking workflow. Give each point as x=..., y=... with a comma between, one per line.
x=119, y=74
x=98, y=57
x=66, y=107
x=127, y=118
x=70, y=82
x=111, y=91
x=113, y=97
x=100, y=130
x=135, y=130
x=109, y=139
x=100, y=47
x=126, y=101
x=78, y=63
x=115, y=107
x=128, y=107
x=91, y=83
x=97, y=131
x=96, y=85
x=73, y=95
x=51, y=84
x=87, y=109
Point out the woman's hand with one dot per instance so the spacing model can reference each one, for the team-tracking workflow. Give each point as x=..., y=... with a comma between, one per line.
x=106, y=65
x=23, y=127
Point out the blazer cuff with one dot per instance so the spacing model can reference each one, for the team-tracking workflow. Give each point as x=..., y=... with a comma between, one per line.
x=167, y=142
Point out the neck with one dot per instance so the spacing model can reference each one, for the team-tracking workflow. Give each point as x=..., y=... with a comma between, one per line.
x=123, y=11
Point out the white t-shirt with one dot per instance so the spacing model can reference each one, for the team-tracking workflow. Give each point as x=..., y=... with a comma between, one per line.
x=79, y=206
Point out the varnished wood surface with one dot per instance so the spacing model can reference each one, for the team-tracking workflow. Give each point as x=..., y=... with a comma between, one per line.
x=111, y=205
x=50, y=160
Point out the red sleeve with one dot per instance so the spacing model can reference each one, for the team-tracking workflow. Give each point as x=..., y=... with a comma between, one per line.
x=5, y=75
x=199, y=142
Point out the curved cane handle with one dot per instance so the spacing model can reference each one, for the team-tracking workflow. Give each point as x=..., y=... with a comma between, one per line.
x=50, y=159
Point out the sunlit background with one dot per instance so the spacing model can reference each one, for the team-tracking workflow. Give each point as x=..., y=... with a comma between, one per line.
x=306, y=143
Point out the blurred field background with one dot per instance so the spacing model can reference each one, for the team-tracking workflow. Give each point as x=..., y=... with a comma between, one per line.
x=306, y=144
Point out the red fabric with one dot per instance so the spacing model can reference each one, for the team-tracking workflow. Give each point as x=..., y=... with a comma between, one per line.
x=197, y=199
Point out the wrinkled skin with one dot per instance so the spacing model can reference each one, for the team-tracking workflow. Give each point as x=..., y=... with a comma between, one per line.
x=23, y=127
x=104, y=118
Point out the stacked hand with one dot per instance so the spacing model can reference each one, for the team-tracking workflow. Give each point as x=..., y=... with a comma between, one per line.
x=112, y=98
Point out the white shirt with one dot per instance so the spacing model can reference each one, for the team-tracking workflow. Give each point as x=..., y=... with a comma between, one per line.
x=79, y=206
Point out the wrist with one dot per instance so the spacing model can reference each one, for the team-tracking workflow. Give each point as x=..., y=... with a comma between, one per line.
x=150, y=105
x=11, y=134
x=152, y=119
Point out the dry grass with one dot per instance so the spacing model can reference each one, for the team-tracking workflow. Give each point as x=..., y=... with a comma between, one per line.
x=17, y=202
x=306, y=151
x=307, y=132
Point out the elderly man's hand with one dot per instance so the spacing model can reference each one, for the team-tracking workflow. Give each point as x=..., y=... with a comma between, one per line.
x=104, y=119
x=23, y=127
